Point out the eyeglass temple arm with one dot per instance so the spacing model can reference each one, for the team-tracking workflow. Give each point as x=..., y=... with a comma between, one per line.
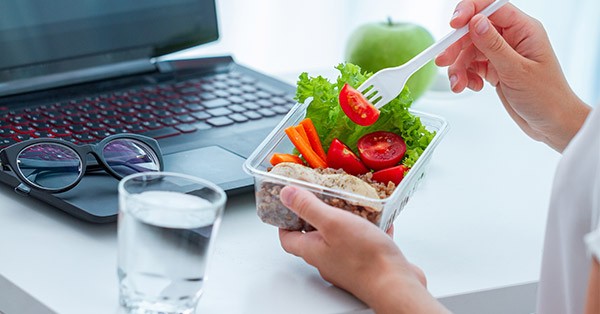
x=91, y=168
x=22, y=188
x=131, y=166
x=3, y=165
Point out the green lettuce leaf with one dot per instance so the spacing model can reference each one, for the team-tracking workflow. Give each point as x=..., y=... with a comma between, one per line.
x=331, y=122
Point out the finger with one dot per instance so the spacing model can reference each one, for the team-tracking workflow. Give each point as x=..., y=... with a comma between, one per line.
x=465, y=60
x=308, y=207
x=468, y=56
x=291, y=241
x=390, y=231
x=458, y=77
x=508, y=16
x=475, y=82
x=308, y=246
x=460, y=69
x=465, y=10
x=503, y=17
x=448, y=56
x=487, y=39
x=487, y=71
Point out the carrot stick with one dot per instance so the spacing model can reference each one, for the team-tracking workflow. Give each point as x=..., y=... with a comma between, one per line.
x=313, y=138
x=304, y=148
x=302, y=132
x=279, y=158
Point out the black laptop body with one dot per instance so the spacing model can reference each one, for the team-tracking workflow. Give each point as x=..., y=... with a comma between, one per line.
x=96, y=69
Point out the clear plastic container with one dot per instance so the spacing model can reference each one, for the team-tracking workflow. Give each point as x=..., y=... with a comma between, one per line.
x=382, y=212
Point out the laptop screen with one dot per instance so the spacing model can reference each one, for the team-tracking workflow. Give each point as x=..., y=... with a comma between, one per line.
x=36, y=32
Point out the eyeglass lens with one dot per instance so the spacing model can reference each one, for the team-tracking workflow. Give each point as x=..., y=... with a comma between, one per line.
x=128, y=156
x=49, y=165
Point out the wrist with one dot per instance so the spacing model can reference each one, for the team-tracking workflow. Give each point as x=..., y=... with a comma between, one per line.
x=568, y=121
x=399, y=290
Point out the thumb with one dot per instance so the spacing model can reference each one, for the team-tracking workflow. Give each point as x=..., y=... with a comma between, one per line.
x=487, y=39
x=308, y=207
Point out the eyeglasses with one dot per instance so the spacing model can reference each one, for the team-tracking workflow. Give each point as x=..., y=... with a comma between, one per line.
x=55, y=165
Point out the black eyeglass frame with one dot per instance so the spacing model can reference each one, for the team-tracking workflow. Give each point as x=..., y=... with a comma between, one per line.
x=9, y=155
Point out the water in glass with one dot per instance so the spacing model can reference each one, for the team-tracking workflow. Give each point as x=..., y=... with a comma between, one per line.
x=164, y=240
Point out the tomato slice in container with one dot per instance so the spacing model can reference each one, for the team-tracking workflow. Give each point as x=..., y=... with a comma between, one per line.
x=393, y=174
x=340, y=156
x=357, y=107
x=381, y=149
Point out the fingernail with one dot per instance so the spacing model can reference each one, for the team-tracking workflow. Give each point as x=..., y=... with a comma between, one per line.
x=471, y=85
x=453, y=80
x=482, y=26
x=287, y=195
x=455, y=14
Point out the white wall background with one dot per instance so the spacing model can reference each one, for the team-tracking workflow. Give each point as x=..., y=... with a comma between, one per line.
x=277, y=36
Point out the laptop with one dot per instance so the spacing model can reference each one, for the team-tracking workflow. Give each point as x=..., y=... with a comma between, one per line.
x=82, y=70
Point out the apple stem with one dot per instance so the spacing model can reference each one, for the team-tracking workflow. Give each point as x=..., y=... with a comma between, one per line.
x=389, y=20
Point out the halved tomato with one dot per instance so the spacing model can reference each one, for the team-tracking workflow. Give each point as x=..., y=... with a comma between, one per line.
x=381, y=149
x=357, y=107
x=340, y=156
x=393, y=174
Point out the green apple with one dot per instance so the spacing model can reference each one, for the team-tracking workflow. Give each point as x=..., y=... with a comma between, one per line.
x=375, y=46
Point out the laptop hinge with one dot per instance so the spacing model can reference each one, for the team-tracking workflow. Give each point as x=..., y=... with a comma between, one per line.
x=76, y=76
x=216, y=63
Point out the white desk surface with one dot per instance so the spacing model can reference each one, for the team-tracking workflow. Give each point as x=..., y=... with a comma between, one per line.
x=476, y=223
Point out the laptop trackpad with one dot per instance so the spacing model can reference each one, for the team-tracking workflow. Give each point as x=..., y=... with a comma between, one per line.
x=212, y=163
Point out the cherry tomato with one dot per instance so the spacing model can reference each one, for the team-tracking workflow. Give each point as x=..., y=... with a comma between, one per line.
x=381, y=149
x=393, y=174
x=339, y=156
x=357, y=107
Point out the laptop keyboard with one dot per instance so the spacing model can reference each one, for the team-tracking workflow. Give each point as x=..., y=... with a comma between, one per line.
x=157, y=111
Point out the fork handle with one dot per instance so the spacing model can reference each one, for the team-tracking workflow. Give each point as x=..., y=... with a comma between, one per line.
x=428, y=54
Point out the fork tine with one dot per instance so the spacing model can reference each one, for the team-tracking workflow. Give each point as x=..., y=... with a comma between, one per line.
x=382, y=101
x=376, y=100
x=372, y=90
x=372, y=93
x=364, y=87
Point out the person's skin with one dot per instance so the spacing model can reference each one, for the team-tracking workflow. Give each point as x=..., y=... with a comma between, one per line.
x=522, y=66
x=354, y=254
x=592, y=305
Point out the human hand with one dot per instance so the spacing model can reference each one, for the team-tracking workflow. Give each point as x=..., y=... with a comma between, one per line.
x=353, y=254
x=511, y=51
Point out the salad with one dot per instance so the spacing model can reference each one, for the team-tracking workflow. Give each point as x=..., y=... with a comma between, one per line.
x=329, y=137
x=355, y=167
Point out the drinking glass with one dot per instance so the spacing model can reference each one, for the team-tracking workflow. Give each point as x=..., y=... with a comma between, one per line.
x=166, y=227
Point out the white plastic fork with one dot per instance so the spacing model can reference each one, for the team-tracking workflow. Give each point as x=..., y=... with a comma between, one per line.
x=387, y=83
